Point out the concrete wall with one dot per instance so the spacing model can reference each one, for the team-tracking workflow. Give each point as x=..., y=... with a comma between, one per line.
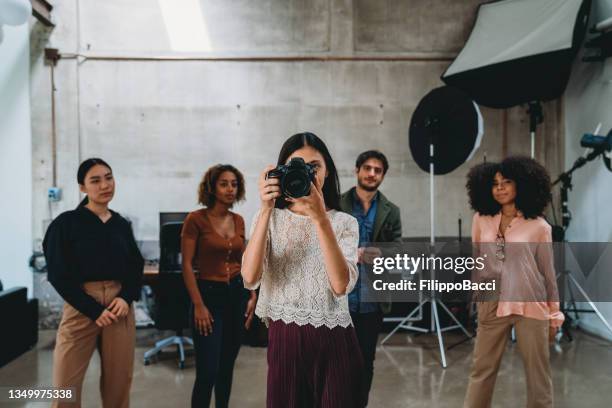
x=160, y=124
x=15, y=159
x=588, y=100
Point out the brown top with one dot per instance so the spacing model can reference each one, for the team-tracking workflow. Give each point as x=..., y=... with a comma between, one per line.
x=216, y=257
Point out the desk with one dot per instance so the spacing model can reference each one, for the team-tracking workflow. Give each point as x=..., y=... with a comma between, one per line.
x=151, y=269
x=151, y=272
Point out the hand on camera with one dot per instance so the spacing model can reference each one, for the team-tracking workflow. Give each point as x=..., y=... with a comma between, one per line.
x=269, y=189
x=313, y=204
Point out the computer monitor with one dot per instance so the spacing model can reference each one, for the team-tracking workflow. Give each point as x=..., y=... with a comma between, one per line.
x=165, y=217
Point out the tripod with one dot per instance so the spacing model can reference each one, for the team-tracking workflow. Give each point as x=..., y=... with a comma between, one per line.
x=431, y=298
x=565, y=277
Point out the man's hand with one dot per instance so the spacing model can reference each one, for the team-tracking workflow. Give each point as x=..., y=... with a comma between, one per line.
x=367, y=254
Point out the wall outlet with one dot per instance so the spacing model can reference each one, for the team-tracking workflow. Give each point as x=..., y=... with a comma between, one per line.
x=54, y=194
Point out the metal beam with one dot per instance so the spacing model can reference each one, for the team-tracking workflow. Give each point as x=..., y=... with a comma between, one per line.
x=261, y=58
x=41, y=9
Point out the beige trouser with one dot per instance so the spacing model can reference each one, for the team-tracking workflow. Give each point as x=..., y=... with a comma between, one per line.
x=492, y=335
x=78, y=337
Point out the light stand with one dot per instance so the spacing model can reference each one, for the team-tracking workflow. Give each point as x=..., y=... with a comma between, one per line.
x=567, y=280
x=432, y=298
x=534, y=109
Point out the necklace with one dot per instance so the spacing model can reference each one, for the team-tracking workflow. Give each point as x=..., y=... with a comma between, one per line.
x=500, y=240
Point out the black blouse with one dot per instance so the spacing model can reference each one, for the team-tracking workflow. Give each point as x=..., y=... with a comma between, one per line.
x=80, y=248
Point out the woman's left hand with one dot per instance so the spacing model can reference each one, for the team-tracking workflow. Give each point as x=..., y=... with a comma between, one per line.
x=313, y=204
x=250, y=310
x=119, y=307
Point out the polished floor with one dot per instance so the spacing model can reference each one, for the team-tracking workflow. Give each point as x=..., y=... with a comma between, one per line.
x=407, y=374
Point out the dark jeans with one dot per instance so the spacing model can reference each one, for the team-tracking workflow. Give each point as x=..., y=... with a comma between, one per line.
x=367, y=327
x=217, y=352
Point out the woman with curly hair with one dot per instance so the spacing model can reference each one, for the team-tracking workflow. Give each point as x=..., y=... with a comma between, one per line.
x=509, y=230
x=213, y=237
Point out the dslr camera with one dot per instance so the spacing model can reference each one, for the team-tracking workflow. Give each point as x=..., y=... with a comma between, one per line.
x=294, y=178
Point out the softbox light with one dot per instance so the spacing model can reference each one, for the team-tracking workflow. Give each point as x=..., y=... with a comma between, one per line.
x=520, y=51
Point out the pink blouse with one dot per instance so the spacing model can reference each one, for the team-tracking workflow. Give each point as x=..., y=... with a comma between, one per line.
x=527, y=281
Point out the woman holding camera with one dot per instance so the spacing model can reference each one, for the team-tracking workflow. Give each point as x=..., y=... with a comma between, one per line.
x=303, y=253
x=509, y=231
x=94, y=264
x=213, y=237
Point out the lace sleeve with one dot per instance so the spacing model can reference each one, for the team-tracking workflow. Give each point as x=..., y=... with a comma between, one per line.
x=266, y=254
x=348, y=240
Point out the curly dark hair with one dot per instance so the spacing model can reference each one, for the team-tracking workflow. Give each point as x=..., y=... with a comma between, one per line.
x=207, y=186
x=533, y=188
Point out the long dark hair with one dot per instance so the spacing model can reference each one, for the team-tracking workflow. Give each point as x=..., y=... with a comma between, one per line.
x=331, y=187
x=533, y=188
x=84, y=169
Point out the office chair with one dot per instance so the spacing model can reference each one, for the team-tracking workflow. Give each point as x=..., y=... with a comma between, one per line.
x=172, y=300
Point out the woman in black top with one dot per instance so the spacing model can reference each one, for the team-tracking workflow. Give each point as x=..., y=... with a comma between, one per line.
x=95, y=265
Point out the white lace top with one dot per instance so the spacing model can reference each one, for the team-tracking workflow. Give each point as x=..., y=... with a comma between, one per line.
x=294, y=283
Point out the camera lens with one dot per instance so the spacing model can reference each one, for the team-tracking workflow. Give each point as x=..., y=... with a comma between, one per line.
x=297, y=183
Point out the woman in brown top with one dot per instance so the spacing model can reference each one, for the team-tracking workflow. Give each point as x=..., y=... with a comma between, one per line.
x=213, y=240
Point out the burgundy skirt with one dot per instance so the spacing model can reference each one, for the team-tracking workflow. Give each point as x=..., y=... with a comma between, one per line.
x=313, y=366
